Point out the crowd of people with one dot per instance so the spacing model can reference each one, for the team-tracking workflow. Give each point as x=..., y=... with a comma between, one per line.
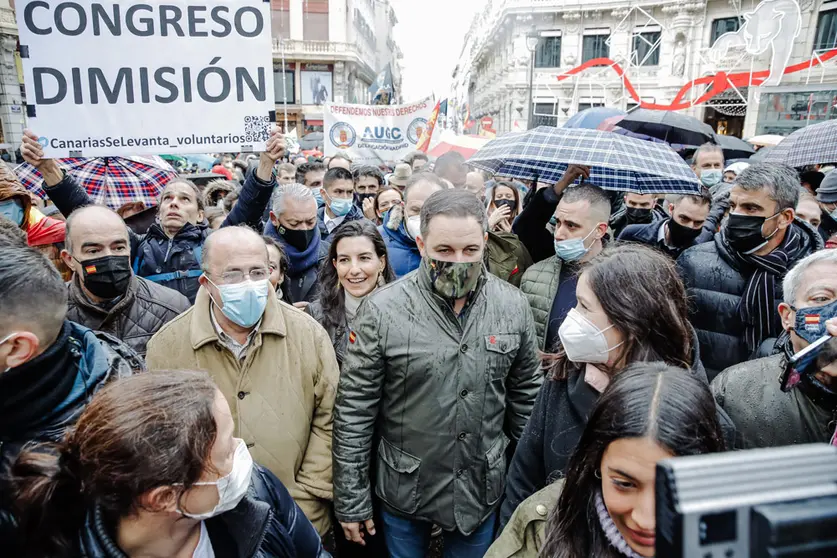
x=318, y=357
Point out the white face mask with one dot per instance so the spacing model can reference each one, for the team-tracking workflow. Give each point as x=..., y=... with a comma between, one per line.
x=414, y=226
x=231, y=488
x=582, y=340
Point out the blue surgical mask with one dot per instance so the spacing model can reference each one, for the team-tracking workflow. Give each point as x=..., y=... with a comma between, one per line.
x=711, y=177
x=340, y=206
x=244, y=303
x=810, y=322
x=12, y=210
x=572, y=249
x=318, y=195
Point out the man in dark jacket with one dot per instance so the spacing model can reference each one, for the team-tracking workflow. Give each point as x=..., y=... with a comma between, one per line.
x=104, y=293
x=684, y=229
x=338, y=197
x=293, y=223
x=170, y=253
x=750, y=393
x=735, y=281
x=638, y=209
x=51, y=367
x=442, y=370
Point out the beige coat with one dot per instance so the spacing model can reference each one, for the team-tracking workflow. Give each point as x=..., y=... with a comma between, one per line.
x=281, y=394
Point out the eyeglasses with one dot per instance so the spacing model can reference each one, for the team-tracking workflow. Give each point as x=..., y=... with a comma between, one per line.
x=235, y=277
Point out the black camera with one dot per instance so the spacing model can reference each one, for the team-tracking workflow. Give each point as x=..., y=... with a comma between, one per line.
x=763, y=503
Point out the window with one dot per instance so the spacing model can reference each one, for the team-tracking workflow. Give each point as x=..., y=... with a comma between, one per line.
x=724, y=25
x=281, y=24
x=591, y=104
x=315, y=20
x=542, y=115
x=595, y=46
x=548, y=53
x=647, y=48
x=284, y=90
x=826, y=37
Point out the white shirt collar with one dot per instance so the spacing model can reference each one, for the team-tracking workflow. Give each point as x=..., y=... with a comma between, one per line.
x=330, y=223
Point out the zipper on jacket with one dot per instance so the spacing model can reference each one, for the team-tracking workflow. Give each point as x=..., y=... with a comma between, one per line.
x=264, y=533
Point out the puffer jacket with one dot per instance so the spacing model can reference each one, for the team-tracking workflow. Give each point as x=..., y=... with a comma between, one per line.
x=402, y=251
x=441, y=395
x=265, y=524
x=767, y=417
x=96, y=359
x=135, y=318
x=506, y=257
x=156, y=254
x=540, y=285
x=714, y=284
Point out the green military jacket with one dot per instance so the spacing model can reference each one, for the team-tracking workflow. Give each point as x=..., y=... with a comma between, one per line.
x=525, y=533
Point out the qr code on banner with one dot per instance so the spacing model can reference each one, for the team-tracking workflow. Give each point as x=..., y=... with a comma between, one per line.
x=256, y=128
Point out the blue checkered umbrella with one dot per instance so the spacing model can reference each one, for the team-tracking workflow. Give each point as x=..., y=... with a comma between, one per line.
x=616, y=162
x=812, y=145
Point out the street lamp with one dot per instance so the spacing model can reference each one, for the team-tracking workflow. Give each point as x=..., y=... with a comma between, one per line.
x=532, y=40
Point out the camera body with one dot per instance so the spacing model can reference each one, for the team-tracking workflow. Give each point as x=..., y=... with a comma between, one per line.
x=749, y=504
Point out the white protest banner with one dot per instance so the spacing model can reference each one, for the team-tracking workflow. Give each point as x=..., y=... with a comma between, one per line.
x=375, y=133
x=122, y=78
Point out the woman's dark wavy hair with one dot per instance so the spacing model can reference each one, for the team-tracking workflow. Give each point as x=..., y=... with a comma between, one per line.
x=514, y=190
x=645, y=300
x=332, y=298
x=672, y=406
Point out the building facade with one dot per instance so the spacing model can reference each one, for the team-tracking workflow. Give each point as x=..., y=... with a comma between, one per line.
x=11, y=80
x=332, y=51
x=770, y=72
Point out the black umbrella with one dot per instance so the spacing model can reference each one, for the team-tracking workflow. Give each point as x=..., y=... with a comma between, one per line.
x=734, y=148
x=668, y=126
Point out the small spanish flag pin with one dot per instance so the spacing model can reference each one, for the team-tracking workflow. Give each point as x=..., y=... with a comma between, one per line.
x=90, y=269
x=352, y=337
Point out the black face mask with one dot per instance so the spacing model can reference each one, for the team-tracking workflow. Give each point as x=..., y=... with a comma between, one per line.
x=743, y=232
x=681, y=236
x=507, y=203
x=298, y=239
x=362, y=197
x=638, y=216
x=107, y=277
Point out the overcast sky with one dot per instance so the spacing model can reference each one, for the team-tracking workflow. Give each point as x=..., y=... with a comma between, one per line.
x=430, y=33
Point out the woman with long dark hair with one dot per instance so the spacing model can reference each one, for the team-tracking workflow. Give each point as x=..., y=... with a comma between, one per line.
x=357, y=264
x=504, y=206
x=152, y=468
x=631, y=308
x=649, y=412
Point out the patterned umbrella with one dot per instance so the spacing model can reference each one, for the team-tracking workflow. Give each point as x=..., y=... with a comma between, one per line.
x=617, y=162
x=111, y=181
x=812, y=145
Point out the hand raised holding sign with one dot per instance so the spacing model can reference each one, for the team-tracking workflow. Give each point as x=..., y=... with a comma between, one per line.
x=275, y=150
x=33, y=153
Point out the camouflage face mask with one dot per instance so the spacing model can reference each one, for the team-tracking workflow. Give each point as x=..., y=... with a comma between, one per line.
x=454, y=279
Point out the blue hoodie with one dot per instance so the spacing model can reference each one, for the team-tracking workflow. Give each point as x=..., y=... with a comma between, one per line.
x=404, y=255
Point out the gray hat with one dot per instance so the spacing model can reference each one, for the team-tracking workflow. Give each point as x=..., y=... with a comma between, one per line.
x=827, y=192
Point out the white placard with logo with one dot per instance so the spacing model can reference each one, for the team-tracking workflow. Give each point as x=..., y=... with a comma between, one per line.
x=375, y=134
x=124, y=78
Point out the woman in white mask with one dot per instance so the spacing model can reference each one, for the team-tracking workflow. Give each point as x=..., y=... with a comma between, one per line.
x=153, y=469
x=631, y=308
x=357, y=265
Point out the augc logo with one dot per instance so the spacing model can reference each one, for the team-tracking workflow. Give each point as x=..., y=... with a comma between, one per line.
x=416, y=129
x=342, y=135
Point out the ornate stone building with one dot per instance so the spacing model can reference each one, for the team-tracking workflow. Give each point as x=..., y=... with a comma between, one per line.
x=695, y=56
x=11, y=92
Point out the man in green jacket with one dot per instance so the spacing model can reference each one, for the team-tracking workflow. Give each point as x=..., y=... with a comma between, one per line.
x=580, y=228
x=442, y=373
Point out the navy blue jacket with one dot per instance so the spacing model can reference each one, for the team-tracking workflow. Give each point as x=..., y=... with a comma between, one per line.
x=155, y=253
x=648, y=234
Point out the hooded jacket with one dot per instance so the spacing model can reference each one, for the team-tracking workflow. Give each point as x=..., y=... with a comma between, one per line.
x=402, y=251
x=715, y=284
x=281, y=392
x=135, y=317
x=552, y=434
x=155, y=253
x=764, y=415
x=265, y=524
x=441, y=395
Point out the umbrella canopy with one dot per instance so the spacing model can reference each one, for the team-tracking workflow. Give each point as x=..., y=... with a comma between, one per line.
x=466, y=145
x=812, y=145
x=761, y=155
x=668, y=126
x=617, y=162
x=765, y=140
x=592, y=118
x=734, y=148
x=111, y=181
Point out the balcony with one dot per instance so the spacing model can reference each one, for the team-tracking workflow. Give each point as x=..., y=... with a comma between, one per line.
x=326, y=52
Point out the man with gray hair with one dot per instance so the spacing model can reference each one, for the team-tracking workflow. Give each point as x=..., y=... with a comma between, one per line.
x=293, y=224
x=764, y=415
x=735, y=281
x=441, y=373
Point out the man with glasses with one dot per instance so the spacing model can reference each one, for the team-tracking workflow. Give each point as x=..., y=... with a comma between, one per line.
x=274, y=364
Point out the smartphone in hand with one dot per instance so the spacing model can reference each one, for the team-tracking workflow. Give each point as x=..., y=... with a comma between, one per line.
x=809, y=360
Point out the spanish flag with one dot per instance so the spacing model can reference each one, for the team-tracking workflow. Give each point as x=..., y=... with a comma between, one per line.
x=90, y=269
x=424, y=141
